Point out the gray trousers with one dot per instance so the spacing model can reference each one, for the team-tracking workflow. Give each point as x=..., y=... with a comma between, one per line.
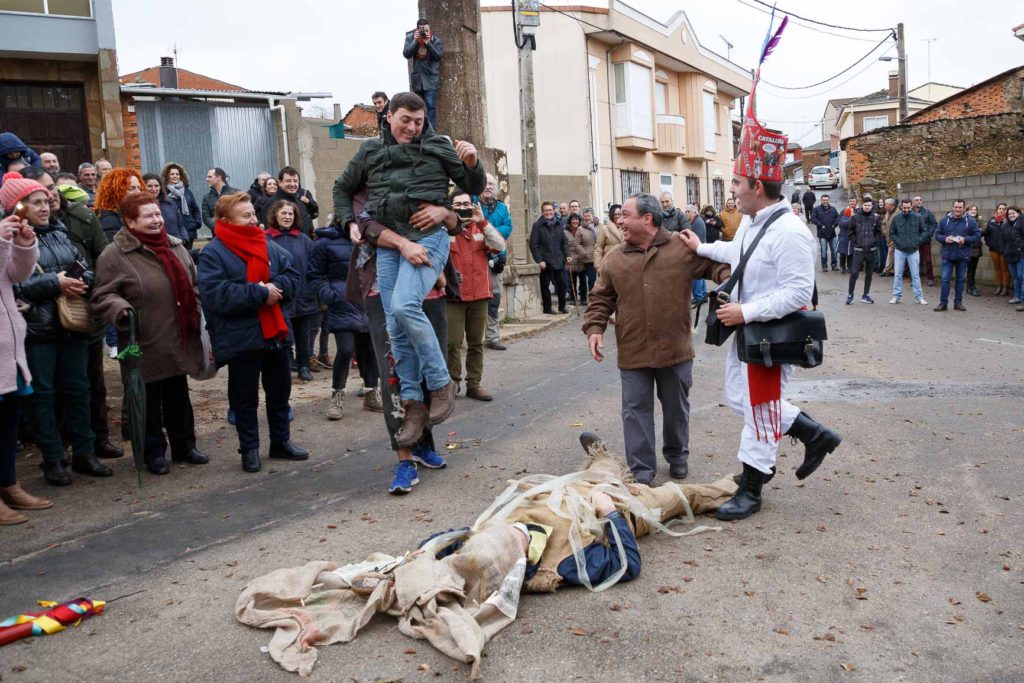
x=491, y=336
x=673, y=388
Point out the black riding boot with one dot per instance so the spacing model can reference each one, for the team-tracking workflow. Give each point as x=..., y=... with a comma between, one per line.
x=818, y=442
x=747, y=500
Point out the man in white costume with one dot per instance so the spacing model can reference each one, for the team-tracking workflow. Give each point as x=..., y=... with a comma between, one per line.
x=778, y=280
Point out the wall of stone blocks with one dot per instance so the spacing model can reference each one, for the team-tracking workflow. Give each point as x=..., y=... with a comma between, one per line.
x=984, y=190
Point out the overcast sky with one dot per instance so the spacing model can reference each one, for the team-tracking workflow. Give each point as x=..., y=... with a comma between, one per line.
x=353, y=48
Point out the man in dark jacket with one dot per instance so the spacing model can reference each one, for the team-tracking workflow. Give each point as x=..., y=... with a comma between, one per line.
x=700, y=288
x=290, y=189
x=672, y=219
x=905, y=232
x=217, y=180
x=864, y=229
x=956, y=233
x=809, y=200
x=13, y=149
x=550, y=249
x=795, y=199
x=380, y=105
x=826, y=218
x=928, y=219
x=424, y=51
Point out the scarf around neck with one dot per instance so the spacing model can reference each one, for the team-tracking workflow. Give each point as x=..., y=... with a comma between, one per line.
x=187, y=307
x=177, y=191
x=249, y=243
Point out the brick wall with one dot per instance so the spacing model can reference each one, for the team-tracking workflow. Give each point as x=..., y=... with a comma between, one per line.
x=812, y=158
x=934, y=150
x=133, y=154
x=999, y=97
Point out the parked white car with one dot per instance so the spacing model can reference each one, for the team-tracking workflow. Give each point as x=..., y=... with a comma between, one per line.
x=823, y=176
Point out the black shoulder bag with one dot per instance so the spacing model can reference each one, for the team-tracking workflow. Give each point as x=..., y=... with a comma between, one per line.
x=717, y=333
x=794, y=339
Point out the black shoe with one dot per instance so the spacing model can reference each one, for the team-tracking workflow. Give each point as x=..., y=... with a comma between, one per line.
x=834, y=267
x=497, y=346
x=959, y=307
x=678, y=470
x=105, y=449
x=548, y=311
x=563, y=310
x=251, y=460
x=193, y=457
x=55, y=473
x=747, y=500
x=88, y=464
x=285, y=450
x=818, y=442
x=931, y=282
x=158, y=465
x=305, y=375
x=767, y=478
x=973, y=291
x=940, y=308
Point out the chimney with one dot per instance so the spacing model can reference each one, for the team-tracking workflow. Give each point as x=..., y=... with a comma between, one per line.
x=894, y=84
x=169, y=73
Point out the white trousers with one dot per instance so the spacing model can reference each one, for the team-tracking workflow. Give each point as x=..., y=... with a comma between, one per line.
x=758, y=454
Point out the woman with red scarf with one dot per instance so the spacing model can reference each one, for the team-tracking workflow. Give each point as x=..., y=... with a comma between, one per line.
x=147, y=271
x=244, y=279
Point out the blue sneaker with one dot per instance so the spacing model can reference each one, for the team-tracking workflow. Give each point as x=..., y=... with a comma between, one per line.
x=429, y=458
x=849, y=300
x=231, y=416
x=866, y=299
x=406, y=476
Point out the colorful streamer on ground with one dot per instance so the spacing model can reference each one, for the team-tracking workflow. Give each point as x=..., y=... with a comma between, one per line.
x=53, y=620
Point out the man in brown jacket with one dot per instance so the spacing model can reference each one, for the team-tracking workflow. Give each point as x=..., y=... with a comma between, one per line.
x=647, y=285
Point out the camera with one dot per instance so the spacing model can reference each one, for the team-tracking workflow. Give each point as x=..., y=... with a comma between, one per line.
x=464, y=214
x=422, y=32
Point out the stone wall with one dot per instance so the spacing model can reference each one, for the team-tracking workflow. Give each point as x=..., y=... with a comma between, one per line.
x=935, y=150
x=984, y=190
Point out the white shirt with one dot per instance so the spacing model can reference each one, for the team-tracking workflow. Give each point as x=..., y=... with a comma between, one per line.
x=779, y=277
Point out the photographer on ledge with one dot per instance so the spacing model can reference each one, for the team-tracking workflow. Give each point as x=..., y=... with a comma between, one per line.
x=424, y=51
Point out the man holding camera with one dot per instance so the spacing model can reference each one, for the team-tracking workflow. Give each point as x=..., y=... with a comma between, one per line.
x=470, y=253
x=496, y=213
x=424, y=51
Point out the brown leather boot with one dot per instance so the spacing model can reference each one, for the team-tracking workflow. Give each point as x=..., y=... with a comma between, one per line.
x=442, y=403
x=18, y=498
x=416, y=418
x=9, y=517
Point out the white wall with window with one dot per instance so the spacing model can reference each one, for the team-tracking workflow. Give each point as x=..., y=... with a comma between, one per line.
x=873, y=122
x=710, y=122
x=633, y=101
x=665, y=183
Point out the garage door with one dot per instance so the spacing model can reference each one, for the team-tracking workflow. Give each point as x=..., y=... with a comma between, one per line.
x=48, y=117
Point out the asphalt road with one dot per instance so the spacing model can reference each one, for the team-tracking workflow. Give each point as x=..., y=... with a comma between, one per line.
x=901, y=559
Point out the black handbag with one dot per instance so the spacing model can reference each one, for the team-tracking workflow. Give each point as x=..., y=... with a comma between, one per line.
x=794, y=339
x=717, y=333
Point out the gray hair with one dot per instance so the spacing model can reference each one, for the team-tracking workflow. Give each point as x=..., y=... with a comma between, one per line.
x=692, y=208
x=84, y=165
x=648, y=203
x=890, y=201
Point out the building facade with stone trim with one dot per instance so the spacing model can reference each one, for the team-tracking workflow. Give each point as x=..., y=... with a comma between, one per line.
x=58, y=79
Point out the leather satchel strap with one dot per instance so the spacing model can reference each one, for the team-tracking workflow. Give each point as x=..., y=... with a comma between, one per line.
x=738, y=275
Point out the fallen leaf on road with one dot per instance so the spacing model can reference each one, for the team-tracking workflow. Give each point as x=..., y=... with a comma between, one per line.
x=408, y=651
x=668, y=589
x=577, y=632
x=687, y=579
x=616, y=607
x=782, y=631
x=332, y=526
x=749, y=594
x=526, y=631
x=983, y=597
x=847, y=666
x=576, y=424
x=423, y=667
x=954, y=602
x=1006, y=566
x=859, y=594
x=821, y=579
x=867, y=627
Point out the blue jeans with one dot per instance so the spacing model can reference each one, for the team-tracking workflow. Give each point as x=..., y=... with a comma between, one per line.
x=1017, y=273
x=111, y=337
x=827, y=244
x=947, y=274
x=699, y=289
x=904, y=260
x=430, y=98
x=403, y=287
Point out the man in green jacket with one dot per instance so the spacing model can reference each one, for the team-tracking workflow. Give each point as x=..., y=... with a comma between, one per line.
x=906, y=232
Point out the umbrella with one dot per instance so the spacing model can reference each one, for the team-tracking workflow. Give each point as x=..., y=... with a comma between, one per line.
x=53, y=620
x=134, y=394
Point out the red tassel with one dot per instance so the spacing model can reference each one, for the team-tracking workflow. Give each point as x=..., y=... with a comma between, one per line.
x=765, y=388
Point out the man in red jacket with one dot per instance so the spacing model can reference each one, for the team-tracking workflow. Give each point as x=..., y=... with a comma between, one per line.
x=467, y=314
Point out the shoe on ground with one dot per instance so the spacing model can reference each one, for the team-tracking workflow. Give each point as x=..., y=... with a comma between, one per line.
x=415, y=421
x=251, y=460
x=286, y=450
x=548, y=311
x=158, y=465
x=1014, y=300
x=105, y=449
x=9, y=517
x=373, y=401
x=406, y=476
x=17, y=498
x=112, y=353
x=324, y=360
x=305, y=375
x=428, y=457
x=479, y=394
x=335, y=411
x=193, y=457
x=866, y=299
x=442, y=404
x=563, y=311
x=959, y=307
x=931, y=283
x=314, y=364
x=1019, y=308
x=679, y=470
x=835, y=268
x=362, y=390
x=88, y=464
x=940, y=308
x=894, y=300
x=55, y=473
x=973, y=291
x=497, y=346
x=747, y=499
x=849, y=300
x=922, y=301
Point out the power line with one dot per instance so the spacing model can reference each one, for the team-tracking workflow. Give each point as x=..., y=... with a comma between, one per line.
x=830, y=78
x=566, y=14
x=828, y=90
x=807, y=26
x=822, y=23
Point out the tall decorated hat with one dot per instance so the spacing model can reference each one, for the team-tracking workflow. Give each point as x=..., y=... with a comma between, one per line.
x=762, y=152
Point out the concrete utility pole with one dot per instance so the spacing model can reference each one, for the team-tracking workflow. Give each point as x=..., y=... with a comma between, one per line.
x=901, y=62
x=527, y=21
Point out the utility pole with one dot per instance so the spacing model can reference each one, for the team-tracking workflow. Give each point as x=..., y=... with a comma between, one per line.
x=901, y=62
x=527, y=21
